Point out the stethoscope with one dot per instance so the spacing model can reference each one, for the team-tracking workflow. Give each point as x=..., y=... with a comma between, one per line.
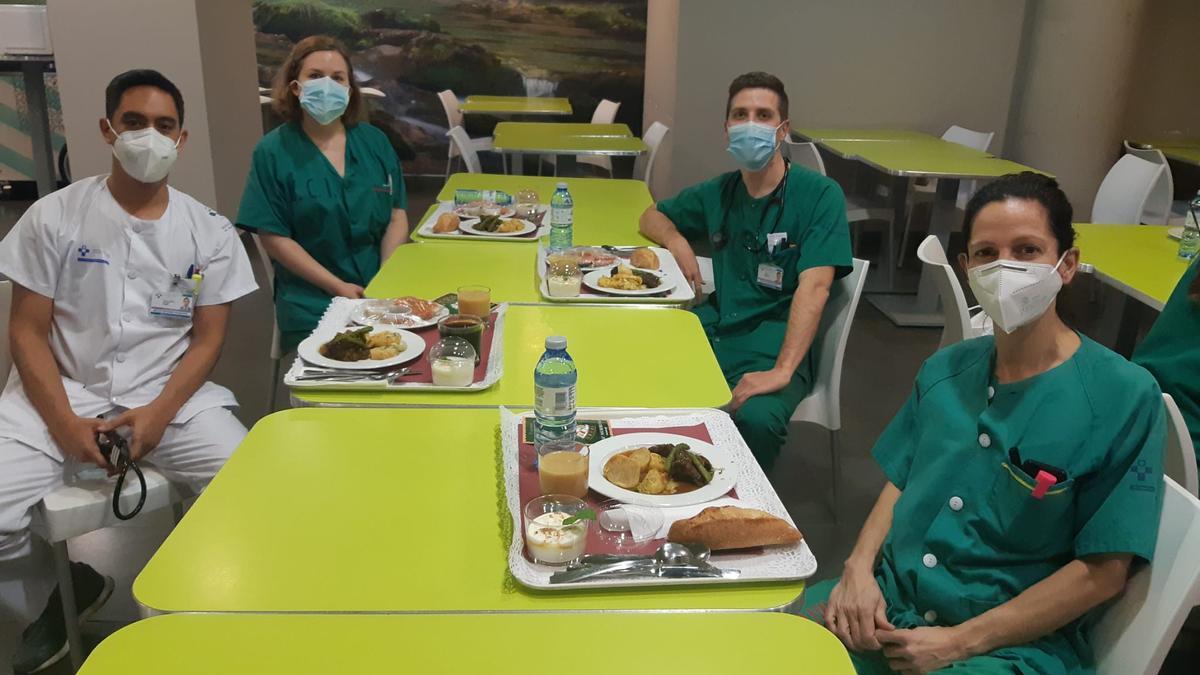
x=753, y=241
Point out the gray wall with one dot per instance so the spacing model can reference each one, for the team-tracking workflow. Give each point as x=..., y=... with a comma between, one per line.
x=916, y=64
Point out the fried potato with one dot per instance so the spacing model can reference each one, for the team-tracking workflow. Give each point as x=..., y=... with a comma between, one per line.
x=641, y=456
x=383, y=353
x=653, y=483
x=622, y=471
x=383, y=339
x=658, y=462
x=510, y=226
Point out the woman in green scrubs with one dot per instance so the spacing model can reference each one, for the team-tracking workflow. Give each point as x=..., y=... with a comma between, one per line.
x=325, y=191
x=1171, y=351
x=1024, y=474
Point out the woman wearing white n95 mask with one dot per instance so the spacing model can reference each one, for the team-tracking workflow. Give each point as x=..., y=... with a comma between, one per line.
x=1024, y=474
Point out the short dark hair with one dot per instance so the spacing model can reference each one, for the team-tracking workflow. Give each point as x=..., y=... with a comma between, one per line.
x=758, y=80
x=1031, y=186
x=143, y=77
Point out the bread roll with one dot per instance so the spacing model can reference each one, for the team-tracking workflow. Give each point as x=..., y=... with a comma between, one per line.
x=447, y=222
x=726, y=527
x=645, y=259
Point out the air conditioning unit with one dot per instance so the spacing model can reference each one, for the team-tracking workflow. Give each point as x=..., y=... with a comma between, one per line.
x=24, y=30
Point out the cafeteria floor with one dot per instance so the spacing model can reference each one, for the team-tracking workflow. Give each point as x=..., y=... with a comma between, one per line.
x=873, y=389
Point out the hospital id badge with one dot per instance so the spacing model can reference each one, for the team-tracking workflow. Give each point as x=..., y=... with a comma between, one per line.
x=174, y=303
x=770, y=276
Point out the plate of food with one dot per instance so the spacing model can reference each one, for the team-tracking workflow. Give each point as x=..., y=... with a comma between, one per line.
x=626, y=280
x=659, y=469
x=405, y=312
x=363, y=348
x=497, y=226
x=478, y=209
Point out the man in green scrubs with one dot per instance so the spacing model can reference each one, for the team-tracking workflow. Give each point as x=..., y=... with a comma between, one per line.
x=1171, y=351
x=779, y=239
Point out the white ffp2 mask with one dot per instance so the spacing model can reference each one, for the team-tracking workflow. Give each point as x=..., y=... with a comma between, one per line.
x=1015, y=293
x=145, y=154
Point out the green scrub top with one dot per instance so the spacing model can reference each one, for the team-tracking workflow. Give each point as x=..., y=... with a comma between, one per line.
x=967, y=534
x=1171, y=352
x=294, y=191
x=744, y=316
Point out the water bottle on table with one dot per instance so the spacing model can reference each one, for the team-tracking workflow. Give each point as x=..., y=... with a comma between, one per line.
x=554, y=380
x=1189, y=242
x=561, y=219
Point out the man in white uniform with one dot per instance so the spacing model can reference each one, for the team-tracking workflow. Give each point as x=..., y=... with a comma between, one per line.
x=122, y=289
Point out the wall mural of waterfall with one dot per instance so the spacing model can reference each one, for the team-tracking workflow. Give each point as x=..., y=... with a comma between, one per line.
x=585, y=50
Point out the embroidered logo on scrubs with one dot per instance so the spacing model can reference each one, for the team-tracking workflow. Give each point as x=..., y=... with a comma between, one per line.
x=1142, y=472
x=91, y=255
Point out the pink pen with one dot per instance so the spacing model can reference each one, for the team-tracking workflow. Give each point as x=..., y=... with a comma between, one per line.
x=1044, y=481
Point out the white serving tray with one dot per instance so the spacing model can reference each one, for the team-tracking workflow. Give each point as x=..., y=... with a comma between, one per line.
x=682, y=293
x=426, y=229
x=790, y=563
x=337, y=316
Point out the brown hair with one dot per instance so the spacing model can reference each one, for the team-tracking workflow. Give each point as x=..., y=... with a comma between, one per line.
x=758, y=80
x=287, y=105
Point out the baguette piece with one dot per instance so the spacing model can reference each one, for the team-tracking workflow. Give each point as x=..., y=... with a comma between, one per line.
x=727, y=527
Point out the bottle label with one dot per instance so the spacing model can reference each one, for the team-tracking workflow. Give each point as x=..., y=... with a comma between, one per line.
x=561, y=217
x=554, y=401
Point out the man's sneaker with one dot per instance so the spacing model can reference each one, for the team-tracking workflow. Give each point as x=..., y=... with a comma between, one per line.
x=44, y=642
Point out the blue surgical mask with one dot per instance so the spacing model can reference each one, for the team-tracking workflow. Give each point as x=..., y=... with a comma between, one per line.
x=323, y=99
x=751, y=144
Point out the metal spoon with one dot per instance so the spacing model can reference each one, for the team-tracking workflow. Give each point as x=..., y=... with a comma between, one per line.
x=692, y=554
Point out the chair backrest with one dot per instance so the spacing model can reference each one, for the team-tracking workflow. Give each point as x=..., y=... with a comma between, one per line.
x=1158, y=204
x=1123, y=193
x=606, y=112
x=1136, y=631
x=1179, y=463
x=458, y=136
x=644, y=164
x=979, y=140
x=454, y=116
x=956, y=316
x=5, y=350
x=264, y=259
x=805, y=154
x=824, y=404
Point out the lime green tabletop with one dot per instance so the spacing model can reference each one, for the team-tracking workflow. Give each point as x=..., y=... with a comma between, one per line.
x=933, y=157
x=1182, y=153
x=1140, y=260
x=377, y=511
x=431, y=270
x=1170, y=141
x=516, y=105
x=614, y=348
x=607, y=210
x=580, y=644
x=567, y=139
x=823, y=134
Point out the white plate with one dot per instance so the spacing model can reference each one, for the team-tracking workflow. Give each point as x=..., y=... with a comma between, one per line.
x=1175, y=232
x=466, y=227
x=592, y=281
x=357, y=316
x=724, y=478
x=308, y=350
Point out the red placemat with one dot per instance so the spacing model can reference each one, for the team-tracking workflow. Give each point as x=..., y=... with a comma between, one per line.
x=430, y=335
x=530, y=489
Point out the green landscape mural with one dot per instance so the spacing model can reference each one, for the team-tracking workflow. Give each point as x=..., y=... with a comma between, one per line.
x=412, y=49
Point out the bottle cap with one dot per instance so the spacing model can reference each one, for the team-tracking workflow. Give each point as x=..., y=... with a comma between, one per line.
x=556, y=342
x=561, y=186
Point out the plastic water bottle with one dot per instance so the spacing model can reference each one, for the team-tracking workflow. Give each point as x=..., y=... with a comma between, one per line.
x=1189, y=243
x=562, y=219
x=554, y=380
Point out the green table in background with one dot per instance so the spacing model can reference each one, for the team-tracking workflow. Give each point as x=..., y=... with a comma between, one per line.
x=515, y=105
x=432, y=270
x=606, y=211
x=566, y=140
x=631, y=355
x=816, y=135
x=327, y=511
x=1182, y=153
x=500, y=644
x=1139, y=260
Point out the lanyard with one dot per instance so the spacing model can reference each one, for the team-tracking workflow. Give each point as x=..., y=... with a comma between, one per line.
x=751, y=240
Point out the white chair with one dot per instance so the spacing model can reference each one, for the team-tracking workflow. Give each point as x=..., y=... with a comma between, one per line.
x=454, y=118
x=460, y=140
x=1136, y=631
x=823, y=405
x=857, y=210
x=1124, y=192
x=957, y=317
x=1160, y=209
x=925, y=191
x=1180, y=461
x=605, y=113
x=276, y=354
x=643, y=166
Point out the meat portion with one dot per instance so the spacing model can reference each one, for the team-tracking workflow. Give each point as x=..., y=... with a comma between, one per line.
x=688, y=467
